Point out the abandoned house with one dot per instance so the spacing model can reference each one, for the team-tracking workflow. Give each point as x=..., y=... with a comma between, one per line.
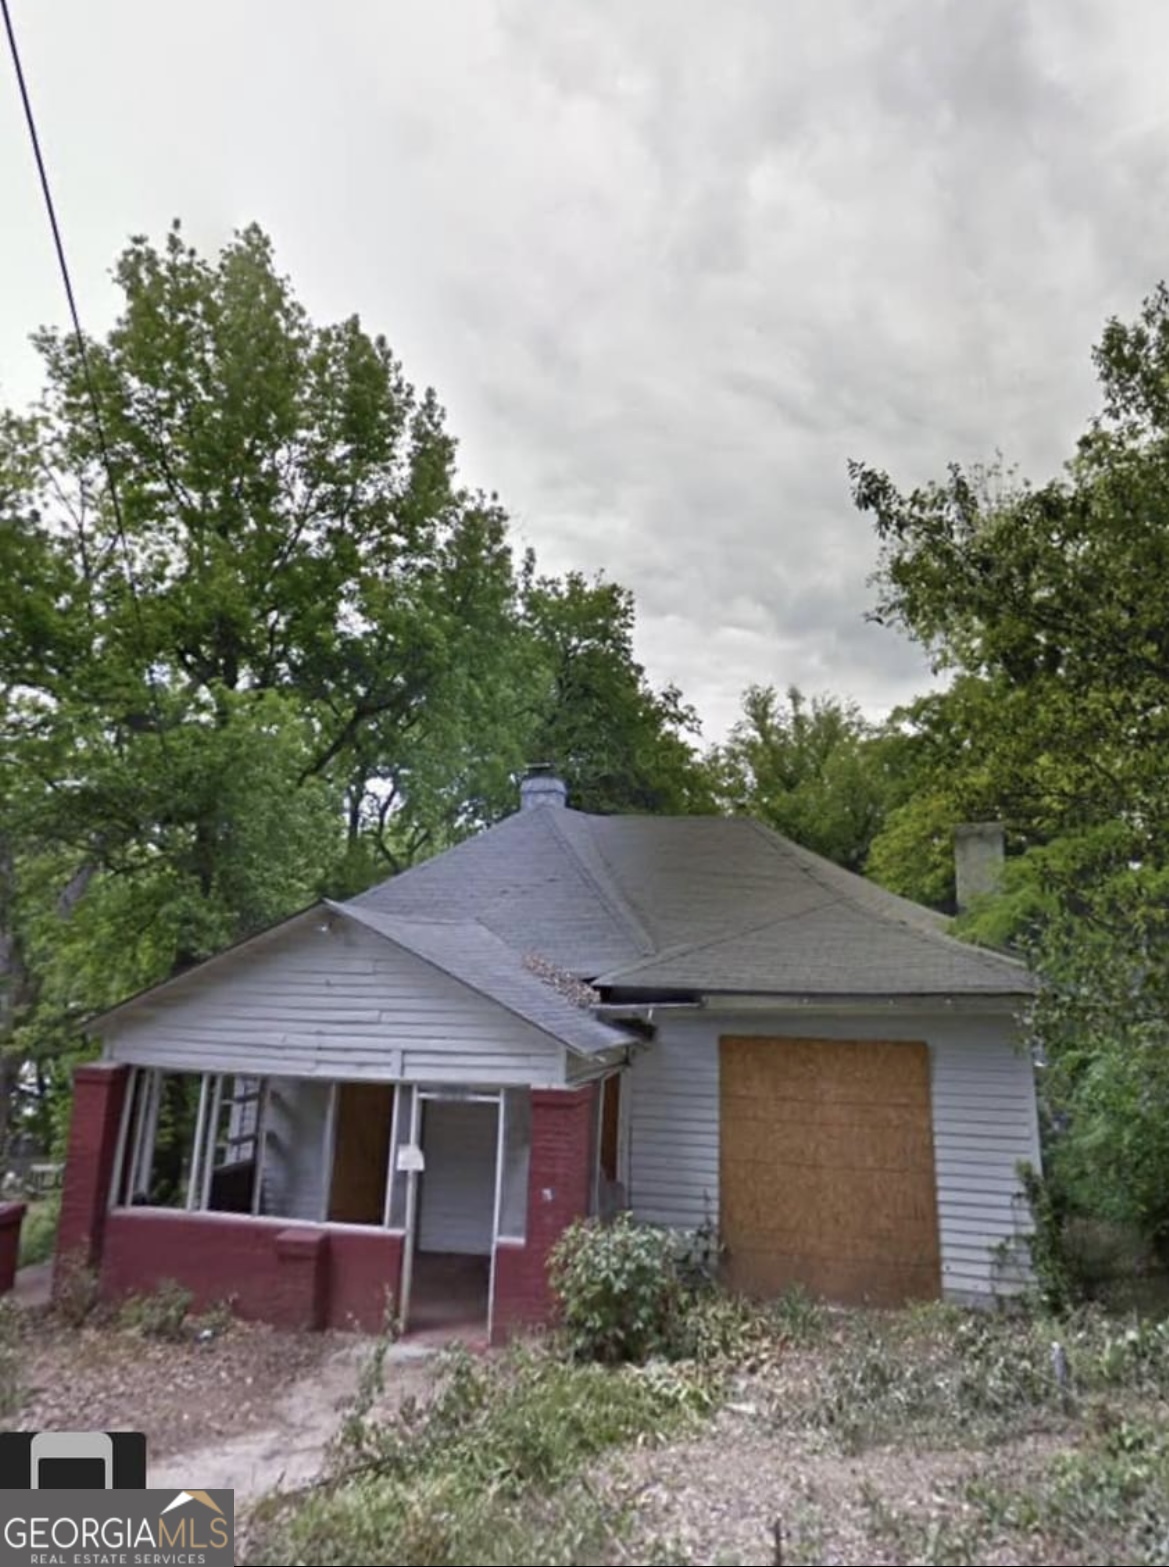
x=408, y=1096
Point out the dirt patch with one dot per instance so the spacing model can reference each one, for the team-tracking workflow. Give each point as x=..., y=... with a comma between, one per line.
x=721, y=1498
x=181, y=1394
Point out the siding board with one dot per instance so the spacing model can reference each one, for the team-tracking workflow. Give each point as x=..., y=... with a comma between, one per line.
x=983, y=1116
x=345, y=1004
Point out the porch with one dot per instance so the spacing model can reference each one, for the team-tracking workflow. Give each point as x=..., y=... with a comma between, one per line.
x=314, y=1204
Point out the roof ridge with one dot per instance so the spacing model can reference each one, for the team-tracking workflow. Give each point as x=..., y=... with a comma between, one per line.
x=608, y=891
x=780, y=845
x=686, y=948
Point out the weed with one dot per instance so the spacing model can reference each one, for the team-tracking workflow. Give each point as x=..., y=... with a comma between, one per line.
x=490, y=1469
x=798, y=1316
x=217, y=1319
x=958, y=1378
x=161, y=1314
x=38, y=1232
x=75, y=1289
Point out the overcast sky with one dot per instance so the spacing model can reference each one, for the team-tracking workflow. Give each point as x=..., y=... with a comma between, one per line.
x=669, y=264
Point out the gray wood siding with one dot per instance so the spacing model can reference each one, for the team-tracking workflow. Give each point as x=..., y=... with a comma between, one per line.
x=342, y=1004
x=456, y=1198
x=294, y=1149
x=984, y=1124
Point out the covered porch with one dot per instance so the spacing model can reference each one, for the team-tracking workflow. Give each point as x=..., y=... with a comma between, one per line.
x=337, y=1204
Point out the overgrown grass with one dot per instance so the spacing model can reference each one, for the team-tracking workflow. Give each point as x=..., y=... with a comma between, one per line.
x=1108, y=1502
x=490, y=1470
x=38, y=1232
x=1105, y=1502
x=942, y=1377
x=161, y=1314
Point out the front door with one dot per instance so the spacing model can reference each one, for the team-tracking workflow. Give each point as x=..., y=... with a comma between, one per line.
x=451, y=1233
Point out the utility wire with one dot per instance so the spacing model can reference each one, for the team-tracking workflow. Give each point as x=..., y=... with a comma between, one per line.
x=82, y=351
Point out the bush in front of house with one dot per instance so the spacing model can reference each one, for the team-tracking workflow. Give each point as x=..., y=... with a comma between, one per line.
x=623, y=1289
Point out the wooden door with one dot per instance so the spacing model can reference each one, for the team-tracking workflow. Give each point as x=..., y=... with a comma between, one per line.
x=361, y=1152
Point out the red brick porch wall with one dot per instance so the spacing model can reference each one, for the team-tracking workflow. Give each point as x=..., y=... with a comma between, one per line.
x=303, y=1275
x=293, y=1275
x=364, y=1266
x=559, y=1186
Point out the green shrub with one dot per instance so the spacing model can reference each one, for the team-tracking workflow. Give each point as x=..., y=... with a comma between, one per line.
x=38, y=1233
x=1058, y=1282
x=161, y=1314
x=620, y=1289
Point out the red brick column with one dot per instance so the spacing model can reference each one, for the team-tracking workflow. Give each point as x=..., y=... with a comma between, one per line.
x=99, y=1092
x=11, y=1215
x=560, y=1177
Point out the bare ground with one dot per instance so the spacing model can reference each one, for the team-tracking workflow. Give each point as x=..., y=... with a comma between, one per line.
x=721, y=1498
x=254, y=1410
x=249, y=1409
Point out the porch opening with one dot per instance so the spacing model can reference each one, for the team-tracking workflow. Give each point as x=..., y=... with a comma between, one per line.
x=451, y=1282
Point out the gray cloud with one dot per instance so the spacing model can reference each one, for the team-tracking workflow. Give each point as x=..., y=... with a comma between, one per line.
x=670, y=266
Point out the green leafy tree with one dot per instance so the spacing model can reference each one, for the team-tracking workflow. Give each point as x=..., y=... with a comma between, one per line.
x=620, y=745
x=296, y=656
x=816, y=771
x=211, y=694
x=1049, y=606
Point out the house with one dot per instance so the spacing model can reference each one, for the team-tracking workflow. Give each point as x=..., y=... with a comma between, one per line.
x=412, y=1093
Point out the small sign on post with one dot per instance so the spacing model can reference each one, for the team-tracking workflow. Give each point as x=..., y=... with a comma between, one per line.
x=411, y=1159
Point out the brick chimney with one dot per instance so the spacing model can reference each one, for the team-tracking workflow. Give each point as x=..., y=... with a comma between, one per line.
x=979, y=855
x=540, y=786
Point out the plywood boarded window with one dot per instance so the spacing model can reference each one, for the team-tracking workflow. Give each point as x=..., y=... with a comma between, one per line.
x=826, y=1168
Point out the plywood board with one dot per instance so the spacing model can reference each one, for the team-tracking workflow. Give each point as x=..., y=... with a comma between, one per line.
x=827, y=1168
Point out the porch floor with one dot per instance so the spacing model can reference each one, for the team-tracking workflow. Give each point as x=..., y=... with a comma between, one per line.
x=448, y=1296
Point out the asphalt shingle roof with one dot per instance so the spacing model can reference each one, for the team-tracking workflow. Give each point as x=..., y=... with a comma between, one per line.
x=706, y=904
x=470, y=953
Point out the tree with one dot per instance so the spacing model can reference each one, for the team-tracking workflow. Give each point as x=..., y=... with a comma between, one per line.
x=1058, y=598
x=1050, y=606
x=619, y=744
x=231, y=689
x=816, y=771
x=286, y=651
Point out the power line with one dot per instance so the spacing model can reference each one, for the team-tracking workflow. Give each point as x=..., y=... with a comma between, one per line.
x=82, y=351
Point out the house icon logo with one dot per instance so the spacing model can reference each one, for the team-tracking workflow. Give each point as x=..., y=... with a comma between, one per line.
x=202, y=1497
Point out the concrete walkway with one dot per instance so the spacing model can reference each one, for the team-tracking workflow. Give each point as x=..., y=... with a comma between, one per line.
x=33, y=1286
x=289, y=1452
